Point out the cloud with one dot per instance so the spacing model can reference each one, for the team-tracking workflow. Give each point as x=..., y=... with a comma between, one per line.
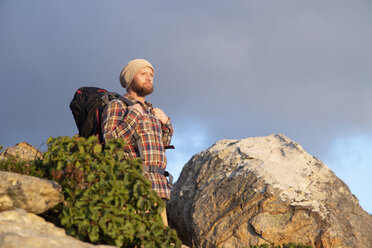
x=189, y=139
x=350, y=158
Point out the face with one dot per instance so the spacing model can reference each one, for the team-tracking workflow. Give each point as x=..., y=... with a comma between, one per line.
x=142, y=82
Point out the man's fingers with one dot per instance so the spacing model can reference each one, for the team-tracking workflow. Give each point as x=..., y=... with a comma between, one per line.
x=159, y=114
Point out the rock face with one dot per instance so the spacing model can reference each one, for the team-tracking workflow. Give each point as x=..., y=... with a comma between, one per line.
x=264, y=190
x=23, y=151
x=33, y=194
x=21, y=229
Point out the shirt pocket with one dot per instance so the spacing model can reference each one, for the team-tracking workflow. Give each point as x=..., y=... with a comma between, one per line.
x=145, y=126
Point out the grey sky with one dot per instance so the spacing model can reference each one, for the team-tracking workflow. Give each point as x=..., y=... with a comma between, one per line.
x=224, y=69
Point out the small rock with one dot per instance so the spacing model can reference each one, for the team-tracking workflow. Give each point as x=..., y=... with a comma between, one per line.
x=22, y=151
x=32, y=194
x=21, y=229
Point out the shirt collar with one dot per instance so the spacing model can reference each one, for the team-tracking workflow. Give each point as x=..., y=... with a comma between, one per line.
x=134, y=100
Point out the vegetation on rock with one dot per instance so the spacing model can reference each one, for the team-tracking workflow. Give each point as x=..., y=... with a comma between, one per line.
x=14, y=164
x=107, y=198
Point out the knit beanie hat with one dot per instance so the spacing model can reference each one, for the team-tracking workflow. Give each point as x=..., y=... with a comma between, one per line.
x=131, y=69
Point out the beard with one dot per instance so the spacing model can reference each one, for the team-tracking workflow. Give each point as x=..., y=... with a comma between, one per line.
x=142, y=90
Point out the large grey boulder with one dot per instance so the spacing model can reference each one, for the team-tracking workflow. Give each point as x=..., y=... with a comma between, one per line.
x=20, y=229
x=265, y=190
x=33, y=194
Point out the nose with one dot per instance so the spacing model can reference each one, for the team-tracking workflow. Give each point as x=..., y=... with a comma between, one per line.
x=149, y=77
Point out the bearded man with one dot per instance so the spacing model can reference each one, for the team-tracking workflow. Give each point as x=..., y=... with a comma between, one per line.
x=146, y=130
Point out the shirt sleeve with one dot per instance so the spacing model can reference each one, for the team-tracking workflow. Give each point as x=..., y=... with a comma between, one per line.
x=118, y=121
x=167, y=130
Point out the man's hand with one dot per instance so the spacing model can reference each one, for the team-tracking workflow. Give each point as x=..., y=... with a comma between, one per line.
x=160, y=115
x=136, y=106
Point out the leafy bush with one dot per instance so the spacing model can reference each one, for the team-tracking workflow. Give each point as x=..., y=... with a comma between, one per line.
x=107, y=198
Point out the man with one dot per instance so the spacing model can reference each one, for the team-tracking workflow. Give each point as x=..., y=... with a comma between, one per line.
x=146, y=130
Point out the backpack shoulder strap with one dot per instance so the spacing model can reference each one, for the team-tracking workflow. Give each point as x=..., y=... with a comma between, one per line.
x=126, y=100
x=135, y=134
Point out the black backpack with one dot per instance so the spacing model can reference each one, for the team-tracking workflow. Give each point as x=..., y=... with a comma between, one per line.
x=87, y=106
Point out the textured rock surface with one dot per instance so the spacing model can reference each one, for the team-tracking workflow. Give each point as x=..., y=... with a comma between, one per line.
x=21, y=229
x=33, y=194
x=23, y=151
x=264, y=190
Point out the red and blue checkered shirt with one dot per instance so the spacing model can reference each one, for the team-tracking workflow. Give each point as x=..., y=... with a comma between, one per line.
x=130, y=125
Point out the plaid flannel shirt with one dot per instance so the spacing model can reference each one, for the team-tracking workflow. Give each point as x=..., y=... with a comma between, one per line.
x=119, y=122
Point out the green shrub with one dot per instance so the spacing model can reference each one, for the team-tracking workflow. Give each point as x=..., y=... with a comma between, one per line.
x=107, y=198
